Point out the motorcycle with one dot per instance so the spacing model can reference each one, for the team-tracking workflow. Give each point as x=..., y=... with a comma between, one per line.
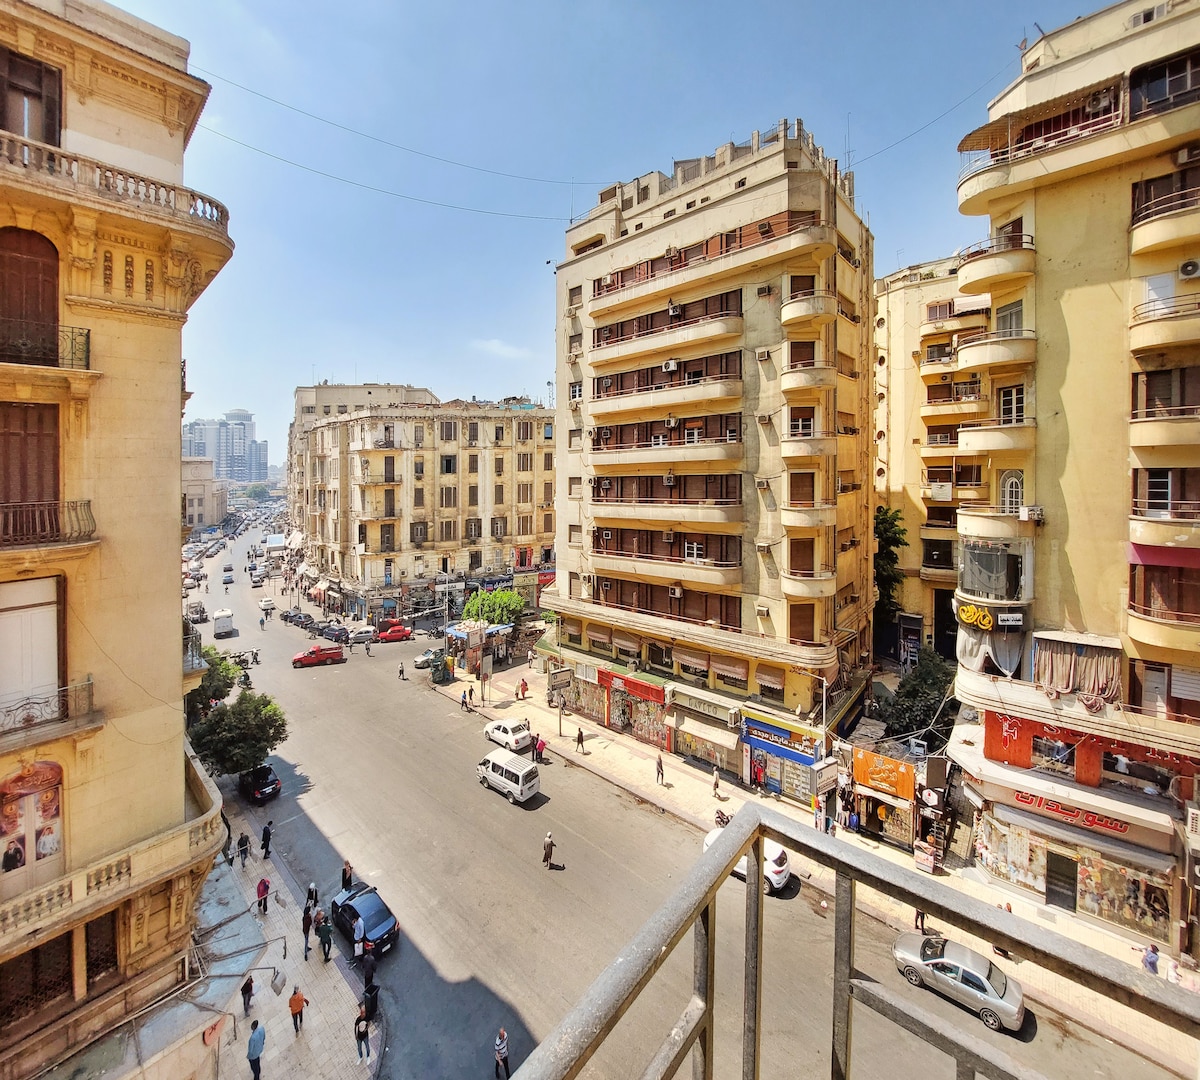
x=723, y=819
x=244, y=681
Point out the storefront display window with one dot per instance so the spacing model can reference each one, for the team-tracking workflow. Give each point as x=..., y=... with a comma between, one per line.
x=891, y=823
x=1136, y=900
x=587, y=699
x=1142, y=776
x=1012, y=854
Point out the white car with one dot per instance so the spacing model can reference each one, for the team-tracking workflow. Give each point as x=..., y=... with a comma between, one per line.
x=363, y=634
x=513, y=734
x=266, y=604
x=776, y=870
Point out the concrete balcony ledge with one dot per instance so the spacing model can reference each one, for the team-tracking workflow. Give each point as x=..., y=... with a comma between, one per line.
x=668, y=454
x=998, y=261
x=954, y=324
x=703, y=331
x=808, y=444
x=1172, y=526
x=996, y=436
x=707, y=573
x=794, y=380
x=816, y=584
x=1176, y=631
x=1168, y=222
x=809, y=310
x=1165, y=427
x=683, y=397
x=999, y=349
x=808, y=516
x=947, y=575
x=121, y=874
x=952, y=407
x=1169, y=323
x=992, y=523
x=667, y=513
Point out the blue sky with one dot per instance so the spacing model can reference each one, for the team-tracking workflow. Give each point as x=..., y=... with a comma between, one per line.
x=336, y=281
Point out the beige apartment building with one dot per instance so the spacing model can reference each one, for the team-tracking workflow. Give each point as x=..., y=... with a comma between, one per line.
x=388, y=498
x=205, y=500
x=927, y=412
x=714, y=497
x=1078, y=596
x=108, y=825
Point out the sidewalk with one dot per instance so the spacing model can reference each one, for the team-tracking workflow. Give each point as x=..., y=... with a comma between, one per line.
x=325, y=1046
x=687, y=794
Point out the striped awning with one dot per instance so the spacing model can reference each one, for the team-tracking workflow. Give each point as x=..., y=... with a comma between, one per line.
x=769, y=676
x=627, y=642
x=692, y=658
x=602, y=635
x=730, y=667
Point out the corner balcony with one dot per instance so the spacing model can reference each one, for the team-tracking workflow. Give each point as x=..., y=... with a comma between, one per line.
x=706, y=330
x=718, y=391
x=995, y=262
x=1165, y=523
x=983, y=522
x=941, y=445
x=48, y=714
x=807, y=311
x=1163, y=628
x=1169, y=323
x=955, y=324
x=194, y=665
x=1175, y=426
x=707, y=573
x=802, y=443
x=1171, y=221
x=808, y=377
x=962, y=402
x=817, y=584
x=666, y=454
x=46, y=524
x=936, y=574
x=666, y=513
x=997, y=435
x=1000, y=349
x=812, y=515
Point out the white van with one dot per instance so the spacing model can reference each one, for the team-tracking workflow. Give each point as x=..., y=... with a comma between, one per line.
x=515, y=777
x=223, y=623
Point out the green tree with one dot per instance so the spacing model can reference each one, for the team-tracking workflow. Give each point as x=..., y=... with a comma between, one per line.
x=258, y=493
x=501, y=606
x=890, y=536
x=234, y=738
x=215, y=685
x=921, y=704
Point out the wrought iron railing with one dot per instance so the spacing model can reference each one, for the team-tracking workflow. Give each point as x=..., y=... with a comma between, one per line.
x=193, y=656
x=1187, y=199
x=691, y=1033
x=995, y=244
x=49, y=707
x=44, y=344
x=1167, y=307
x=23, y=524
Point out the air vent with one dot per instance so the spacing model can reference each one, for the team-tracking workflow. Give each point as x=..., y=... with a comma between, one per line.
x=675, y=592
x=764, y=290
x=762, y=354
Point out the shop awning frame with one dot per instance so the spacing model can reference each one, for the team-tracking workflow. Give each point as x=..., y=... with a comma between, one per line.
x=1134, y=854
x=702, y=728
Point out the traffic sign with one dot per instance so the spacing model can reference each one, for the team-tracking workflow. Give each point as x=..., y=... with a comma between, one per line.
x=559, y=679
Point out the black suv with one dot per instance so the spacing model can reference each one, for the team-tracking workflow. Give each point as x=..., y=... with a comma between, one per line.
x=259, y=784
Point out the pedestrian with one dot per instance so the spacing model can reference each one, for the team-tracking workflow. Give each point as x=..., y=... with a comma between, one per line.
x=367, y=647
x=524, y=689
x=247, y=994
x=347, y=874
x=716, y=782
x=579, y=740
x=1149, y=957
x=541, y=746
x=369, y=965
x=658, y=770
x=533, y=747
x=266, y=839
x=471, y=696
x=531, y=657
x=306, y=921
x=502, y=1054
x=296, y=1004
x=262, y=623
x=360, y=936
x=919, y=920
x=254, y=1048
x=324, y=935
x=264, y=890
x=853, y=821
x=462, y=704
x=311, y=898
x=1005, y=953
x=362, y=1034
x=243, y=847
x=400, y=670
x=548, y=852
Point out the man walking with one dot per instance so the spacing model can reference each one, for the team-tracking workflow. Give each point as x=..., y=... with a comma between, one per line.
x=658, y=770
x=264, y=890
x=306, y=921
x=247, y=994
x=533, y=747
x=296, y=1005
x=462, y=704
x=254, y=1048
x=400, y=670
x=919, y=920
x=369, y=965
x=541, y=746
x=347, y=874
x=324, y=936
x=362, y=1034
x=531, y=657
x=502, y=1053
x=360, y=934
x=579, y=741
x=471, y=696
x=266, y=839
x=716, y=782
x=548, y=852
x=243, y=847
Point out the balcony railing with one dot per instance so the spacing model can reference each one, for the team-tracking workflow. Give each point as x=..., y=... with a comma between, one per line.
x=608, y=395
x=605, y=336
x=1167, y=412
x=1188, y=199
x=30, y=524
x=44, y=344
x=1164, y=614
x=1018, y=420
x=692, y=1032
x=601, y=500
x=80, y=175
x=602, y=445
x=988, y=510
x=1167, y=509
x=960, y=392
x=943, y=439
x=72, y=702
x=996, y=244
x=974, y=161
x=193, y=656
x=1167, y=306
x=682, y=560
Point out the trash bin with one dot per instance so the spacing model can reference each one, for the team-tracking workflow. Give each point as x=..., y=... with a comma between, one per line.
x=371, y=1000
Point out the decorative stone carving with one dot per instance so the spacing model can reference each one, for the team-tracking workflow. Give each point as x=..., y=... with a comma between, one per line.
x=108, y=272
x=129, y=276
x=150, y=279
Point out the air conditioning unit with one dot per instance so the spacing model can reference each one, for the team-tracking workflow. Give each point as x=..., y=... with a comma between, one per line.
x=1193, y=826
x=1188, y=154
x=605, y=585
x=761, y=610
x=675, y=592
x=606, y=433
x=606, y=332
x=574, y=358
x=672, y=253
x=854, y=318
x=672, y=421
x=570, y=312
x=607, y=382
x=607, y=280
x=854, y=598
x=605, y=484
x=764, y=290
x=762, y=485
x=673, y=310
x=404, y=573
x=572, y=404
x=1030, y=513
x=856, y=262
x=764, y=418
x=668, y=537
x=762, y=354
x=606, y=535
x=764, y=227
x=945, y=378
x=669, y=480
x=670, y=365
x=588, y=579
x=1100, y=101
x=1189, y=269
x=762, y=548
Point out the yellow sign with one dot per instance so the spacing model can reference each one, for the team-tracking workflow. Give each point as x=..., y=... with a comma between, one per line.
x=981, y=617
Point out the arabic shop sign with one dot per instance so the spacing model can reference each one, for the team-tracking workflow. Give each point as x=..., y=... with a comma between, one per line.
x=1085, y=819
x=986, y=618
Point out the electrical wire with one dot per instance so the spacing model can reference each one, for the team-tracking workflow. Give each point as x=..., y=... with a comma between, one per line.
x=378, y=190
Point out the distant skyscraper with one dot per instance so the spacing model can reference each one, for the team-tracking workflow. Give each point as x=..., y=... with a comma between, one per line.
x=231, y=445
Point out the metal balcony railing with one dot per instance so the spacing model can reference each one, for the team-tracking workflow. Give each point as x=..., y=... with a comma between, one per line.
x=996, y=244
x=1167, y=307
x=44, y=344
x=566, y=1051
x=193, y=656
x=27, y=524
x=1187, y=199
x=49, y=707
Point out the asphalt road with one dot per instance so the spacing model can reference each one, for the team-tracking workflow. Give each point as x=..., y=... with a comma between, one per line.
x=382, y=772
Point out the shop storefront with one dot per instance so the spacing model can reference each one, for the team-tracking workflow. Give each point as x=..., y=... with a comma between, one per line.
x=585, y=695
x=780, y=754
x=704, y=727
x=884, y=793
x=636, y=707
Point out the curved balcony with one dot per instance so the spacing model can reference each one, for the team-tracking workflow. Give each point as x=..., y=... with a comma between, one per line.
x=965, y=403
x=944, y=575
x=708, y=573
x=1167, y=222
x=808, y=444
x=1159, y=523
x=703, y=331
x=997, y=261
x=666, y=454
x=983, y=522
x=1159, y=628
x=817, y=584
x=1169, y=323
x=668, y=513
x=806, y=377
x=718, y=392
x=940, y=446
x=815, y=515
x=955, y=324
x=996, y=435
x=998, y=349
x=809, y=310
x=1177, y=426
x=42, y=523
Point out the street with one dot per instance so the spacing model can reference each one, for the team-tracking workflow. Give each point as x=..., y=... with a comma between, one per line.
x=381, y=772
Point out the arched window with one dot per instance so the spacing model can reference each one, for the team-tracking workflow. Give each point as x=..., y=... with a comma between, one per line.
x=1012, y=491
x=28, y=298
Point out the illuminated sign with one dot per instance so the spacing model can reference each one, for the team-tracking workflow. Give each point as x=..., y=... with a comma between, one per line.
x=1084, y=818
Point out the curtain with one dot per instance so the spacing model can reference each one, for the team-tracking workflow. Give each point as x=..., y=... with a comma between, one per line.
x=1067, y=667
x=1005, y=648
x=971, y=648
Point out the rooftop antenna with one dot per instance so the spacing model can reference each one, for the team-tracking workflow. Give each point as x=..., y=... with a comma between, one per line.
x=549, y=393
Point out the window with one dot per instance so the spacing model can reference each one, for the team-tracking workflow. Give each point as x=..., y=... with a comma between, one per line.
x=669, y=214
x=472, y=463
x=693, y=549
x=418, y=468
x=417, y=532
x=548, y=491
x=448, y=530
x=575, y=439
x=499, y=466
x=473, y=495
x=418, y=496
x=473, y=431
x=524, y=493
x=574, y=534
x=1012, y=491
x=575, y=391
x=449, y=464
x=574, y=486
x=1053, y=755
x=524, y=463
x=499, y=526
x=327, y=409
x=575, y=295
x=343, y=409
x=548, y=431
x=418, y=435
x=499, y=433
x=1011, y=404
x=938, y=554
x=525, y=525
x=741, y=183
x=691, y=436
x=575, y=343
x=30, y=93
x=547, y=526
x=548, y=461
x=449, y=430
x=35, y=979
x=449, y=498
x=524, y=431
x=474, y=528
x=1009, y=319
x=499, y=500
x=938, y=312
x=308, y=410
x=993, y=570
x=1165, y=85
x=802, y=422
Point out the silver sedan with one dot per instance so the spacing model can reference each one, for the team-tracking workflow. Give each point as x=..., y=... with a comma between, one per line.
x=962, y=975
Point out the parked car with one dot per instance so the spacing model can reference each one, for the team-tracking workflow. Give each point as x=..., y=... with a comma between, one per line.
x=256, y=582
x=362, y=634
x=190, y=583
x=227, y=579
x=227, y=568
x=319, y=654
x=963, y=975
x=395, y=633
x=266, y=604
x=776, y=869
x=336, y=632
x=252, y=567
x=260, y=784
x=303, y=620
x=380, y=926
x=428, y=657
x=513, y=734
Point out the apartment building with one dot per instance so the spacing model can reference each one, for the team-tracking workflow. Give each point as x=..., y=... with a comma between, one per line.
x=714, y=499
x=108, y=825
x=231, y=443
x=1078, y=598
x=394, y=496
x=927, y=412
x=205, y=499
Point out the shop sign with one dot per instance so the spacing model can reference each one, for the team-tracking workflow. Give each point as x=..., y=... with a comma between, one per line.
x=1085, y=819
x=587, y=673
x=986, y=618
x=886, y=774
x=545, y=577
x=525, y=580
x=635, y=687
x=559, y=679
x=825, y=775
x=803, y=741
x=704, y=706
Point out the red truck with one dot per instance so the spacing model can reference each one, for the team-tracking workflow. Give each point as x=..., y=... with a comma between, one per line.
x=319, y=654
